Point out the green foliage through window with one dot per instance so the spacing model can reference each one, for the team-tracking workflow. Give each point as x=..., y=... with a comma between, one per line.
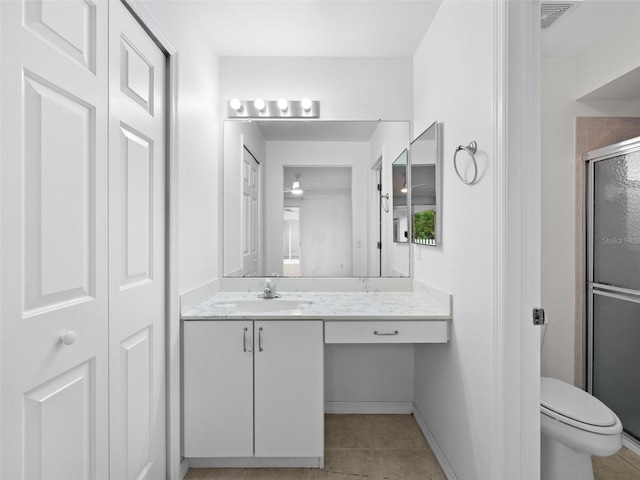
x=424, y=226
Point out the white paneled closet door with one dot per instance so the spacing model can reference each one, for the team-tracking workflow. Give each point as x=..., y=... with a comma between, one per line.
x=53, y=245
x=137, y=283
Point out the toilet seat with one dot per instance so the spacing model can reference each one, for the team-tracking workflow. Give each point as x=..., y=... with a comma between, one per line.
x=572, y=406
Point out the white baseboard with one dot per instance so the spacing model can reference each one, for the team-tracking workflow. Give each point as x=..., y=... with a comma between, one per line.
x=184, y=468
x=368, y=407
x=253, y=462
x=630, y=444
x=442, y=460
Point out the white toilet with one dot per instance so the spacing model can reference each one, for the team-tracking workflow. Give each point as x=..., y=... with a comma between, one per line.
x=575, y=425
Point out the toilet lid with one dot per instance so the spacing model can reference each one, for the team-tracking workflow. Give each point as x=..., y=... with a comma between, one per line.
x=571, y=402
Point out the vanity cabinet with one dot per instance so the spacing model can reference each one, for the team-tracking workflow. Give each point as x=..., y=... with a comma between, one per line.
x=253, y=389
x=218, y=389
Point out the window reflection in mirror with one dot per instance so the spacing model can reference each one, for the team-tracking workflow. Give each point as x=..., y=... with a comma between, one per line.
x=426, y=187
x=339, y=234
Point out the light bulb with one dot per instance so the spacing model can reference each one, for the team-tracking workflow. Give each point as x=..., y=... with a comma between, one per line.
x=236, y=104
x=259, y=104
x=306, y=104
x=283, y=104
x=404, y=188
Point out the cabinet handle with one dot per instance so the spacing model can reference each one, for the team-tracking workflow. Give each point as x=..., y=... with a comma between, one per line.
x=375, y=332
x=244, y=341
x=260, y=339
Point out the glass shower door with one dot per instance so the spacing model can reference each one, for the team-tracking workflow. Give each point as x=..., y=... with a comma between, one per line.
x=616, y=355
x=614, y=280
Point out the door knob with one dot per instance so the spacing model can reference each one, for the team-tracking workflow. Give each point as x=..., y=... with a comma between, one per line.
x=68, y=337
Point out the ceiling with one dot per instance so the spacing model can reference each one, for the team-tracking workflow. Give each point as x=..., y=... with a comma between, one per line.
x=309, y=28
x=372, y=28
x=378, y=28
x=584, y=24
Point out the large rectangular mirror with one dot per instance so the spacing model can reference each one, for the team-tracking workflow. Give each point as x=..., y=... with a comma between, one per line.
x=426, y=187
x=301, y=198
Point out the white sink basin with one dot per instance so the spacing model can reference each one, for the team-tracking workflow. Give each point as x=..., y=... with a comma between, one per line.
x=260, y=305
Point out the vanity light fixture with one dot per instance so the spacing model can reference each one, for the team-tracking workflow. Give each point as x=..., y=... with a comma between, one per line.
x=282, y=108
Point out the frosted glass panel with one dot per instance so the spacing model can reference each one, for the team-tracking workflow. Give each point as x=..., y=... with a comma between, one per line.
x=616, y=228
x=616, y=357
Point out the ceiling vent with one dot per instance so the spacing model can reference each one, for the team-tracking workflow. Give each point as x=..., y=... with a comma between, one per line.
x=550, y=11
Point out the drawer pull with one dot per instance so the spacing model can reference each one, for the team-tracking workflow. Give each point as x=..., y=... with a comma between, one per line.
x=260, y=339
x=375, y=332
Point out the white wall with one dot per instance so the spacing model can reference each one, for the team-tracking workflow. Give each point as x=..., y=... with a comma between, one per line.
x=558, y=216
x=348, y=89
x=368, y=373
x=453, y=84
x=198, y=142
x=327, y=236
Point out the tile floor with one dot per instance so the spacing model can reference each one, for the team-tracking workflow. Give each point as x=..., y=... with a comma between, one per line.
x=387, y=447
x=357, y=447
x=625, y=465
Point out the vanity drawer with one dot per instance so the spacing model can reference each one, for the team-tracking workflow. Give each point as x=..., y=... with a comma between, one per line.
x=432, y=331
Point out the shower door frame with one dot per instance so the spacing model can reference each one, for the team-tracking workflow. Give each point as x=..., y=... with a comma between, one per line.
x=592, y=288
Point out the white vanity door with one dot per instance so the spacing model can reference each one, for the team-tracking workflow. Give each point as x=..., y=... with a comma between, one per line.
x=289, y=393
x=218, y=389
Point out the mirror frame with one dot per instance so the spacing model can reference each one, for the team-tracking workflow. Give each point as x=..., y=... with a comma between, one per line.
x=437, y=132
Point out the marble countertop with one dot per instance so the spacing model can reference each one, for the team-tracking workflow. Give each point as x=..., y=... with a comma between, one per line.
x=419, y=304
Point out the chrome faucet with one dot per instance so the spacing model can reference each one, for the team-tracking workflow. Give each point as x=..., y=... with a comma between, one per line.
x=269, y=291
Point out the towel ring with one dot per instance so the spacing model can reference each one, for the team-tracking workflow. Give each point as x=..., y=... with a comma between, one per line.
x=471, y=150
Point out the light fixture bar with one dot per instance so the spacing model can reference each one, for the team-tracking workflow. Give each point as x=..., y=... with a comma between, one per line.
x=295, y=109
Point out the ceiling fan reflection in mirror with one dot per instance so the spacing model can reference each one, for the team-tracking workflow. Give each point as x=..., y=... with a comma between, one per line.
x=295, y=186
